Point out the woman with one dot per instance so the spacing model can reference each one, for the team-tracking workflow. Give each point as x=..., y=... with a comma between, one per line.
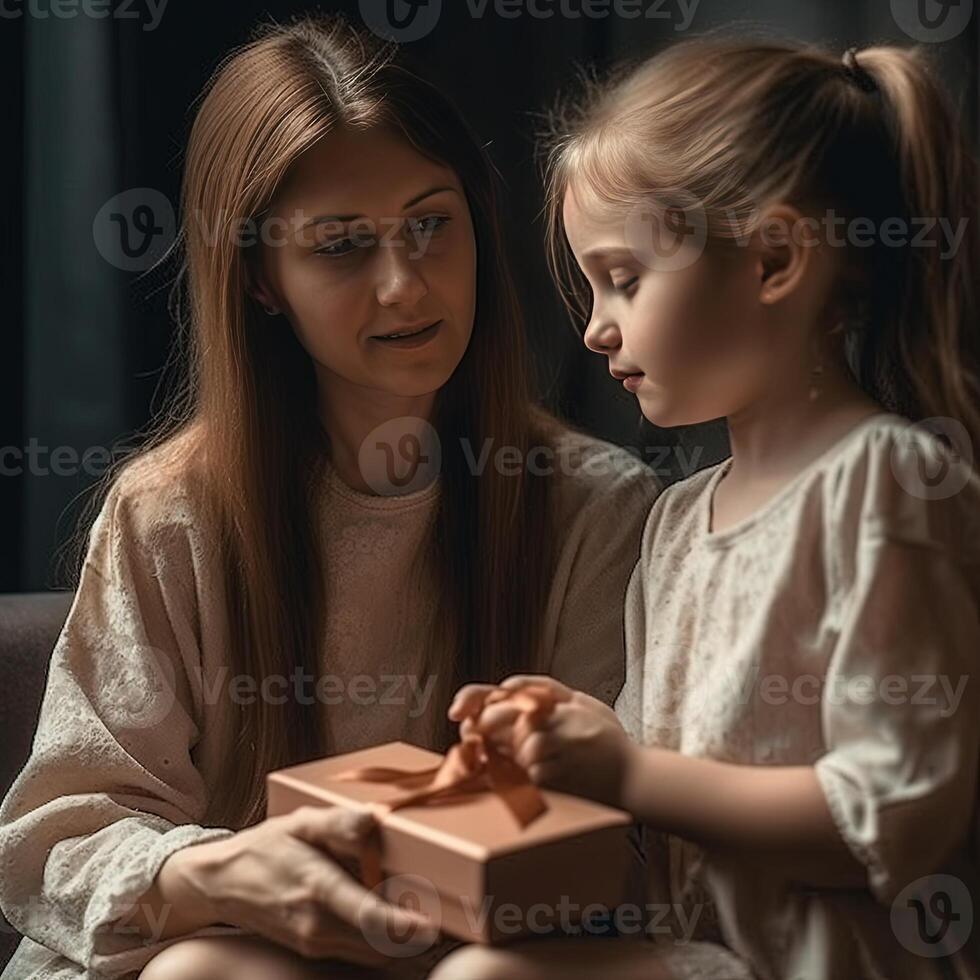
x=255, y=580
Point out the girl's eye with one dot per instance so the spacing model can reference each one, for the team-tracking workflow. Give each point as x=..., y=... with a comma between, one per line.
x=622, y=287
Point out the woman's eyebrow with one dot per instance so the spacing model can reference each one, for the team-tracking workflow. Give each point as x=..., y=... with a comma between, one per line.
x=353, y=217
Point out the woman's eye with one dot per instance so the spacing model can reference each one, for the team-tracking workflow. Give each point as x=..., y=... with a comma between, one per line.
x=342, y=247
x=622, y=287
x=430, y=223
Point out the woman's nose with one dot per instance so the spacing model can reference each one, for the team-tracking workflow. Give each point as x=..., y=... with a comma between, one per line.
x=400, y=283
x=602, y=335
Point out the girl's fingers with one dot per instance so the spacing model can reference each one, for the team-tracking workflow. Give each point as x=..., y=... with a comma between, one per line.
x=468, y=701
x=538, y=747
x=495, y=717
x=516, y=681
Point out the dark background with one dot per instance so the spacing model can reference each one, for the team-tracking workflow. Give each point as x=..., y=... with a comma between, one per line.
x=98, y=105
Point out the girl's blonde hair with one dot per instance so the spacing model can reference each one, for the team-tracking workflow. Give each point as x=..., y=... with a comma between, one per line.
x=246, y=423
x=737, y=125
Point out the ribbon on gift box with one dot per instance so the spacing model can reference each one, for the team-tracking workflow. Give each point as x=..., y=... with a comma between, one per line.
x=473, y=765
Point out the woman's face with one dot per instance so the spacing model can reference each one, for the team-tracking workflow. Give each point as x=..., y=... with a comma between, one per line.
x=690, y=329
x=369, y=238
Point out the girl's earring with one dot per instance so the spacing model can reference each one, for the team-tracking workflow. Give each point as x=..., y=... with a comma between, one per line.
x=271, y=310
x=816, y=374
x=815, y=377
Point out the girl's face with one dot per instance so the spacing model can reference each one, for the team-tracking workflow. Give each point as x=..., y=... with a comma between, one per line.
x=369, y=238
x=693, y=335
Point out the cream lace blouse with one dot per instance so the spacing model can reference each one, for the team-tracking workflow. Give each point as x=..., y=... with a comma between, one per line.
x=839, y=627
x=128, y=741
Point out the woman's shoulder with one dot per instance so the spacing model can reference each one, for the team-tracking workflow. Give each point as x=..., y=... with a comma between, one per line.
x=157, y=494
x=591, y=470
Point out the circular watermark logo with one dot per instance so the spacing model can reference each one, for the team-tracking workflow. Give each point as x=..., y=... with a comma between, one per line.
x=400, y=20
x=933, y=916
x=138, y=682
x=412, y=892
x=134, y=229
x=667, y=232
x=932, y=21
x=942, y=461
x=400, y=456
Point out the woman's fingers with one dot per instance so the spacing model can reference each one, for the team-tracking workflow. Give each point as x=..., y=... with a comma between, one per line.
x=353, y=921
x=378, y=921
x=341, y=831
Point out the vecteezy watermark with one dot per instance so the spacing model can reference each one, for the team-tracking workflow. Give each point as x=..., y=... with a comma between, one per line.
x=328, y=236
x=410, y=20
x=721, y=684
x=134, y=229
x=405, y=454
x=400, y=456
x=933, y=916
x=96, y=9
x=859, y=232
x=669, y=231
x=139, y=685
x=664, y=922
x=933, y=459
x=932, y=21
x=359, y=689
x=38, y=909
x=44, y=460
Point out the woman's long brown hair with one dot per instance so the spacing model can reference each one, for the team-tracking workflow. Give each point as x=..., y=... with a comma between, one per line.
x=245, y=422
x=739, y=124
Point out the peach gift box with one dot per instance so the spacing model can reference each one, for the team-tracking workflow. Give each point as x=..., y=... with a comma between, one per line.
x=474, y=869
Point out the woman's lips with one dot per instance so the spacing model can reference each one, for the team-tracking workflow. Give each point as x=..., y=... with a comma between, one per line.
x=633, y=382
x=419, y=339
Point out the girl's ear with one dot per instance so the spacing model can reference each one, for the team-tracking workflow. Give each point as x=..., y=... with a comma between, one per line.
x=785, y=242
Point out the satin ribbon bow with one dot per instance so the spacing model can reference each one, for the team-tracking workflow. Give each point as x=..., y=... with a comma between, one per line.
x=473, y=765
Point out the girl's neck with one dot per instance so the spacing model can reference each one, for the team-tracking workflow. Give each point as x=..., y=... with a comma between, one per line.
x=353, y=414
x=776, y=436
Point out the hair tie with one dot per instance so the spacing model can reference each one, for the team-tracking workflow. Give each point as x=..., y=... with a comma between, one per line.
x=857, y=74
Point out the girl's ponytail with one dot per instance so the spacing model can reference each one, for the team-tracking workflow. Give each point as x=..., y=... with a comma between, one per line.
x=933, y=305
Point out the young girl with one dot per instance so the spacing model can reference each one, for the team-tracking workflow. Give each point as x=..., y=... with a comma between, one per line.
x=270, y=582
x=798, y=727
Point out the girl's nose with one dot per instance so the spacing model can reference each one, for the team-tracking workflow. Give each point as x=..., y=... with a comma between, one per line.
x=602, y=335
x=399, y=283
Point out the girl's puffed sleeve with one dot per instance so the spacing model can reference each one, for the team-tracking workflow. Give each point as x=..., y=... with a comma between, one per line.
x=110, y=789
x=902, y=697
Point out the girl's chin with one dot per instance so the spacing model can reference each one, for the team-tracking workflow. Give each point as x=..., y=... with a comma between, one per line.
x=659, y=410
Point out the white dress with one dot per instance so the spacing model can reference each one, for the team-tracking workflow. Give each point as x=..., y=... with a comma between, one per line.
x=129, y=738
x=839, y=627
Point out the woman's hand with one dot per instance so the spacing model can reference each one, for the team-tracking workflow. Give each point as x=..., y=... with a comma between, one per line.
x=580, y=748
x=290, y=879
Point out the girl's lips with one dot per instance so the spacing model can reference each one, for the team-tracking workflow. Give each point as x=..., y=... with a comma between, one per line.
x=633, y=382
x=419, y=339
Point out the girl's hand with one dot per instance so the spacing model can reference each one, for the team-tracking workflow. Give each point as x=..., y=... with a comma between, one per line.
x=289, y=879
x=581, y=748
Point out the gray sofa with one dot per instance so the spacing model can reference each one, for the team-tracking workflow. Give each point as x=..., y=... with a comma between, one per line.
x=29, y=626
